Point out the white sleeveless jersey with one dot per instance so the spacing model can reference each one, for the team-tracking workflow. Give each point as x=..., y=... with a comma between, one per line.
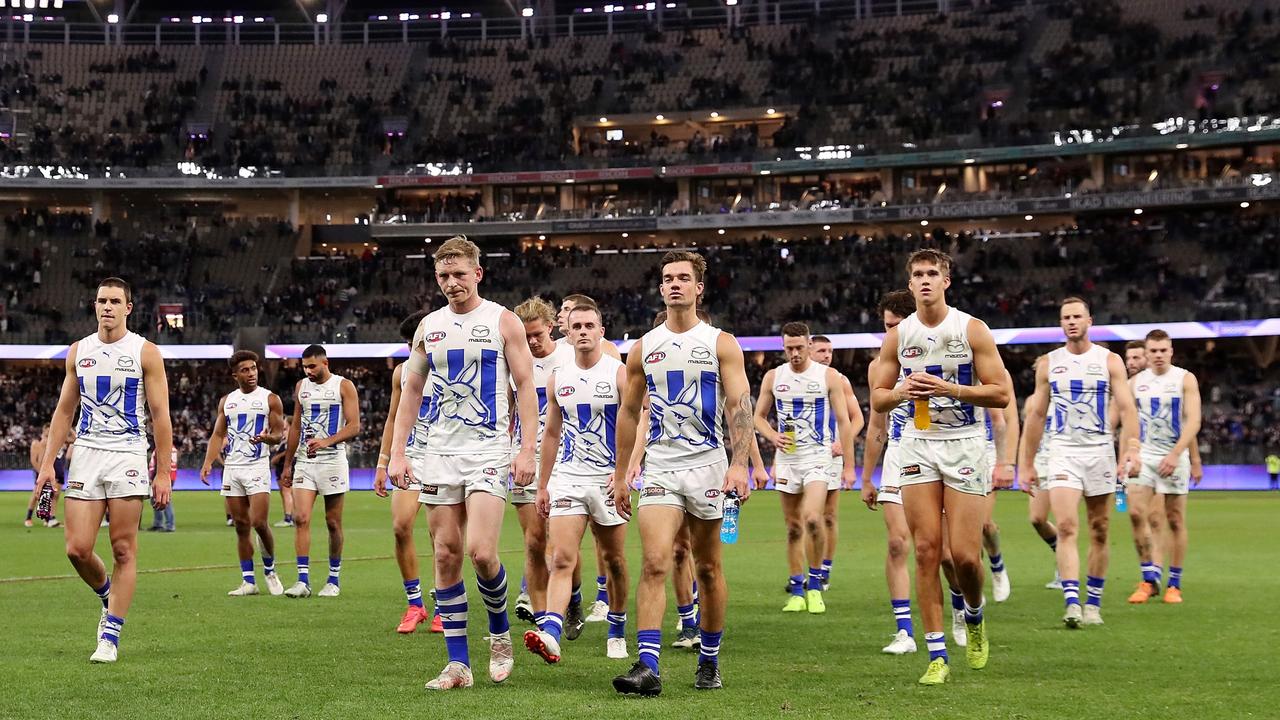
x=113, y=401
x=1160, y=403
x=686, y=399
x=561, y=356
x=1080, y=388
x=588, y=402
x=897, y=419
x=246, y=415
x=320, y=406
x=416, y=446
x=1042, y=450
x=802, y=404
x=468, y=381
x=944, y=352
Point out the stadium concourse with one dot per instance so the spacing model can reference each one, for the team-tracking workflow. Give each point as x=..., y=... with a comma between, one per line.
x=328, y=247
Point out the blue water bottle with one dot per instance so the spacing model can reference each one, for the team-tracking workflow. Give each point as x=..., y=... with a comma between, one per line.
x=1122, y=498
x=729, y=526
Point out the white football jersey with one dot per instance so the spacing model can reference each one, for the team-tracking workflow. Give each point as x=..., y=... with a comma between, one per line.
x=560, y=357
x=686, y=398
x=802, y=404
x=468, y=380
x=588, y=400
x=1160, y=404
x=897, y=419
x=416, y=446
x=1080, y=388
x=321, y=414
x=246, y=416
x=943, y=352
x=113, y=399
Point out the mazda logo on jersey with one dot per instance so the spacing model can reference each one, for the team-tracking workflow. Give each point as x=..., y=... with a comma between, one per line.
x=655, y=357
x=124, y=362
x=700, y=353
x=436, y=336
x=480, y=331
x=87, y=363
x=812, y=387
x=956, y=346
x=914, y=351
x=256, y=404
x=565, y=391
x=604, y=387
x=1094, y=369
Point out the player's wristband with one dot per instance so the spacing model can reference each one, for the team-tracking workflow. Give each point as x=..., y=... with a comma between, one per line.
x=382, y=467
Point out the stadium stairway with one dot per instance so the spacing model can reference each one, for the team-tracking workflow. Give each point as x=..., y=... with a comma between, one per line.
x=206, y=112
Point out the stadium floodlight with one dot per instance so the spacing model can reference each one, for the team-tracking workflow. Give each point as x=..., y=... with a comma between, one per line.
x=526, y=12
x=1244, y=204
x=924, y=223
x=659, y=117
x=404, y=17
x=771, y=111
x=604, y=120
x=542, y=237
x=322, y=18
x=237, y=19
x=715, y=115
x=14, y=4
x=29, y=4
x=195, y=19
x=1028, y=217
x=1180, y=146
x=826, y=227
x=44, y=4
x=259, y=19
x=730, y=3
x=1137, y=211
x=57, y=4
x=720, y=231
x=446, y=15
x=113, y=18
x=651, y=6
x=27, y=18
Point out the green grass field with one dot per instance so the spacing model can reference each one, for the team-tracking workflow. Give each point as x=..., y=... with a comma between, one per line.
x=190, y=651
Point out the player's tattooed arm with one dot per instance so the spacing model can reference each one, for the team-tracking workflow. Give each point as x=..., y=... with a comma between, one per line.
x=741, y=430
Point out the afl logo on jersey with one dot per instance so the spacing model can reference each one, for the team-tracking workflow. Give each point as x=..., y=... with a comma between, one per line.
x=1143, y=388
x=480, y=331
x=491, y=471
x=700, y=353
x=436, y=336
x=1059, y=369
x=966, y=471
x=782, y=388
x=566, y=391
x=914, y=351
x=655, y=357
x=131, y=473
x=305, y=395
x=87, y=363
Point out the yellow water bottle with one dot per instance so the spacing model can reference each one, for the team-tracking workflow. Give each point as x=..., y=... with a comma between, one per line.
x=922, y=414
x=789, y=432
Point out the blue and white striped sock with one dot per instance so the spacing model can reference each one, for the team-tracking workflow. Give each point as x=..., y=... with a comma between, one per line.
x=602, y=589
x=957, y=600
x=1071, y=592
x=575, y=598
x=710, y=651
x=997, y=563
x=649, y=644
x=688, y=615
x=826, y=570
x=540, y=619
x=304, y=570
x=413, y=592
x=937, y=644
x=1175, y=577
x=1093, y=586
x=617, y=624
x=268, y=565
x=815, y=580
x=973, y=615
x=902, y=614
x=111, y=629
x=553, y=624
x=451, y=602
x=1159, y=573
x=795, y=584
x=246, y=571
x=104, y=592
x=494, y=593
x=335, y=567
x=1149, y=573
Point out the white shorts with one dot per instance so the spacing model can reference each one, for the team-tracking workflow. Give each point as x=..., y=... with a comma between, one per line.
x=1041, y=464
x=101, y=474
x=889, y=471
x=694, y=490
x=245, y=480
x=329, y=478
x=583, y=496
x=528, y=493
x=1178, y=483
x=1093, y=474
x=453, y=478
x=991, y=468
x=960, y=464
x=791, y=477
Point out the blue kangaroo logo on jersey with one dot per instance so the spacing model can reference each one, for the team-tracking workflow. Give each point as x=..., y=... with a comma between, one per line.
x=313, y=428
x=682, y=419
x=1159, y=424
x=1080, y=413
x=459, y=398
x=589, y=444
x=108, y=416
x=803, y=424
x=240, y=440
